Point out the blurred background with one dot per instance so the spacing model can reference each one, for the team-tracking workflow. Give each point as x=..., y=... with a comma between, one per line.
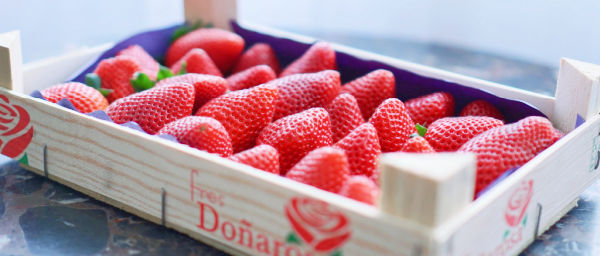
x=513, y=42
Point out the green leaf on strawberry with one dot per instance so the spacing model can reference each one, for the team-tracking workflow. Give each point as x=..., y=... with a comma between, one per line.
x=94, y=81
x=421, y=130
x=183, y=69
x=141, y=82
x=163, y=72
x=181, y=31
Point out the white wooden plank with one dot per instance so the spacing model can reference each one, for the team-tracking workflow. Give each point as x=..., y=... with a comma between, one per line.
x=219, y=12
x=46, y=72
x=577, y=93
x=11, y=70
x=427, y=188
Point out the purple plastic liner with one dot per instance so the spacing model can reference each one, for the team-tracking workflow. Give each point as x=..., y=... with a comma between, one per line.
x=579, y=121
x=408, y=85
x=100, y=114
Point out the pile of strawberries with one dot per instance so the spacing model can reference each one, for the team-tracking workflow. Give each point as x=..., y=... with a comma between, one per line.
x=299, y=122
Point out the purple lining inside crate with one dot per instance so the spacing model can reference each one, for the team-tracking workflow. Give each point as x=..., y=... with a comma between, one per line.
x=408, y=84
x=100, y=114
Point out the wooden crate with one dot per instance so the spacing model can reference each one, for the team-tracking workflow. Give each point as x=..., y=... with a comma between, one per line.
x=244, y=211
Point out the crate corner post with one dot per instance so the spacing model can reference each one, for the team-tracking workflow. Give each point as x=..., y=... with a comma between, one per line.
x=427, y=188
x=218, y=12
x=577, y=93
x=11, y=64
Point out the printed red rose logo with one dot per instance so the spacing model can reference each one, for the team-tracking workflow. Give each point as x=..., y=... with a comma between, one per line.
x=322, y=228
x=518, y=202
x=15, y=130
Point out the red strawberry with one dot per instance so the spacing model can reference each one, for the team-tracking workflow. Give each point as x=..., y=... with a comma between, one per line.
x=372, y=89
x=154, y=108
x=502, y=148
x=393, y=124
x=143, y=59
x=115, y=74
x=243, y=113
x=262, y=157
x=251, y=77
x=417, y=144
x=296, y=135
x=207, y=87
x=449, y=133
x=345, y=116
x=196, y=61
x=426, y=109
x=303, y=91
x=362, y=149
x=317, y=58
x=86, y=99
x=222, y=46
x=200, y=132
x=481, y=108
x=325, y=168
x=258, y=54
x=360, y=188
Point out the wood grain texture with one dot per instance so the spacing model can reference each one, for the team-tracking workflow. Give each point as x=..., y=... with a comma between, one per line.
x=577, y=93
x=11, y=70
x=219, y=12
x=427, y=188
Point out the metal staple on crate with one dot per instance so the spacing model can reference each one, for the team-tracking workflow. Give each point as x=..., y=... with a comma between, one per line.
x=537, y=222
x=163, y=199
x=45, y=161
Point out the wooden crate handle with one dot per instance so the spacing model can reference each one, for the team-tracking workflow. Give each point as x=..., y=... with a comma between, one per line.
x=219, y=12
x=577, y=93
x=427, y=188
x=11, y=63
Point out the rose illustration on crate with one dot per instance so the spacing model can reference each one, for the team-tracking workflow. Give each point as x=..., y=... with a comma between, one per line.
x=518, y=202
x=16, y=131
x=316, y=224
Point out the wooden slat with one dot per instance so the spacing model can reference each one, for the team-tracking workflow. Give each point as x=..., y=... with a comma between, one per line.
x=577, y=93
x=219, y=12
x=427, y=188
x=11, y=74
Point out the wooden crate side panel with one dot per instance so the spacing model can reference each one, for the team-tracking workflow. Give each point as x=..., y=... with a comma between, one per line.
x=43, y=73
x=128, y=168
x=505, y=219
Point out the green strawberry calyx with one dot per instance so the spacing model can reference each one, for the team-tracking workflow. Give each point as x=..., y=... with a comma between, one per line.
x=141, y=82
x=94, y=81
x=421, y=130
x=163, y=72
x=187, y=28
x=183, y=69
